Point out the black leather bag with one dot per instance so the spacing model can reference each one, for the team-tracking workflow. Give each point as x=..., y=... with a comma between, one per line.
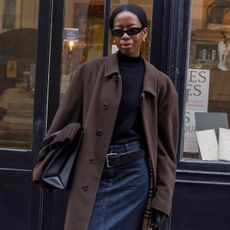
x=59, y=152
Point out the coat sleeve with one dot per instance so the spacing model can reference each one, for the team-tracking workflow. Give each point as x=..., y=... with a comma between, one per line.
x=167, y=147
x=70, y=108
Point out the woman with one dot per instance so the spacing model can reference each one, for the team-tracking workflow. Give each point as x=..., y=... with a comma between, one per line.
x=124, y=176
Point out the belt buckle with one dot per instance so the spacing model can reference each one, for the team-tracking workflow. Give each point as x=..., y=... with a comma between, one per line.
x=107, y=159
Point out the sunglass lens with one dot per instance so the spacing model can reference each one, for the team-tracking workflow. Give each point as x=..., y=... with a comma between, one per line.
x=133, y=31
x=117, y=32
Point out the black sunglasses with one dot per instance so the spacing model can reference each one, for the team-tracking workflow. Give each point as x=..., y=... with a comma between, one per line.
x=130, y=31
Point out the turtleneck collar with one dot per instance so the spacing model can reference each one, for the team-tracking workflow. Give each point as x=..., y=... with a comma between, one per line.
x=124, y=58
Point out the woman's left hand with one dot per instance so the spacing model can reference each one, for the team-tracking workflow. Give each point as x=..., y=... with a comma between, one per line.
x=158, y=218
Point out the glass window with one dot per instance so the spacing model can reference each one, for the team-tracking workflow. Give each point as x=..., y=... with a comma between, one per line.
x=83, y=35
x=147, y=5
x=207, y=108
x=18, y=35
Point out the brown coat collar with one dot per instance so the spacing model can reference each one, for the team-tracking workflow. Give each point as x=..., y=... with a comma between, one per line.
x=150, y=78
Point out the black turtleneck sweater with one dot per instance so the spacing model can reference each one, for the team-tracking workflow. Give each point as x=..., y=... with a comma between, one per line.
x=128, y=126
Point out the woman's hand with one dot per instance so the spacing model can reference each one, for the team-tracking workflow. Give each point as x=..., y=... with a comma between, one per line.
x=158, y=218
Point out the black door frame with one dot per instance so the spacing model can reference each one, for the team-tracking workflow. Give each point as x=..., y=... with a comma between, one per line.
x=36, y=218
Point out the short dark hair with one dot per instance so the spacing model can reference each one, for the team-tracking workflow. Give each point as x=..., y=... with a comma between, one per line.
x=137, y=10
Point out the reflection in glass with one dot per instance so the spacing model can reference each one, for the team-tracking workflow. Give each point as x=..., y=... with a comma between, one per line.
x=18, y=35
x=83, y=35
x=208, y=79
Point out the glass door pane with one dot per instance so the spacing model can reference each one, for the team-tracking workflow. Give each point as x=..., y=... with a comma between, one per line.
x=18, y=35
x=83, y=35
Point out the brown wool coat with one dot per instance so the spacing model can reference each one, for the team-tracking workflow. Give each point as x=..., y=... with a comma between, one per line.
x=92, y=99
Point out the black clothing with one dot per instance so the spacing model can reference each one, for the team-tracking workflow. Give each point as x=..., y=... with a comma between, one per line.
x=128, y=126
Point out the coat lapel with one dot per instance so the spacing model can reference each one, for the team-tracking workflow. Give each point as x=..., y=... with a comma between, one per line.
x=111, y=65
x=150, y=79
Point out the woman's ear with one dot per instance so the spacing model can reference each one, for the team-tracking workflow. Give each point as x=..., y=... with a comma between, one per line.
x=145, y=33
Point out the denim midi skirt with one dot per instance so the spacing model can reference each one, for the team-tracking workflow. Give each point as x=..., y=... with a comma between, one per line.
x=122, y=194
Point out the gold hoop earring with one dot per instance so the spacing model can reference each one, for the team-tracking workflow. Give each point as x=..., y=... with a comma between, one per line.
x=143, y=39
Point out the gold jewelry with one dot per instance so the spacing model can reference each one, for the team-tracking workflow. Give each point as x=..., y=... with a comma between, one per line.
x=143, y=39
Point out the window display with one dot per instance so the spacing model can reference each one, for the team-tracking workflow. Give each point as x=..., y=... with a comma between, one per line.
x=208, y=81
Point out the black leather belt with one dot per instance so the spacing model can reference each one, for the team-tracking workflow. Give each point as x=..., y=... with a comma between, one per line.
x=118, y=159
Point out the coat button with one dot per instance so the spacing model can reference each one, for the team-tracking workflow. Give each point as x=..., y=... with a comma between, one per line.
x=99, y=132
x=92, y=160
x=115, y=78
x=105, y=106
x=85, y=188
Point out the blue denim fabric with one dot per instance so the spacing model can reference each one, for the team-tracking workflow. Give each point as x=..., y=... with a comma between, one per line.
x=122, y=194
